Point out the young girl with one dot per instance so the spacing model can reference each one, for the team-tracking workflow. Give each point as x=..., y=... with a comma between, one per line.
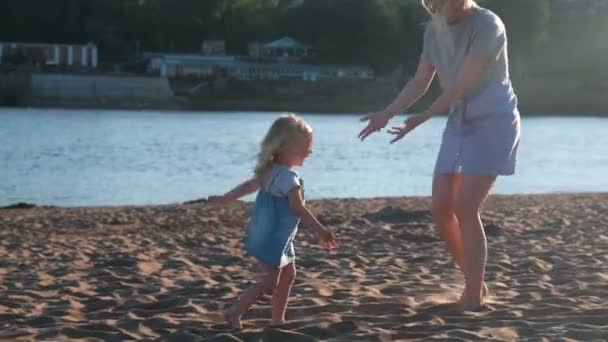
x=279, y=206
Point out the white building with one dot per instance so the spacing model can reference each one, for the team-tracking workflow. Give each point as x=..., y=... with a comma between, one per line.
x=245, y=68
x=51, y=54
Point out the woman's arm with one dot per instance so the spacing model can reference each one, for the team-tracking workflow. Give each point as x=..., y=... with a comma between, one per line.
x=414, y=89
x=469, y=74
x=239, y=191
x=412, y=92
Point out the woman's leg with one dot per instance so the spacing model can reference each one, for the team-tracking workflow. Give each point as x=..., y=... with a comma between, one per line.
x=445, y=189
x=469, y=199
x=266, y=283
x=280, y=295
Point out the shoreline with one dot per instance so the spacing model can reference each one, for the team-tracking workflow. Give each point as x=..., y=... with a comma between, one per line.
x=203, y=201
x=327, y=110
x=547, y=95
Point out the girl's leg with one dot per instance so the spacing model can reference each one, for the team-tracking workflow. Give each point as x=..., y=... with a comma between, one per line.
x=471, y=195
x=280, y=295
x=266, y=283
x=445, y=189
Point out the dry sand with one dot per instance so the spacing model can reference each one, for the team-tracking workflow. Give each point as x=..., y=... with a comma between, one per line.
x=167, y=272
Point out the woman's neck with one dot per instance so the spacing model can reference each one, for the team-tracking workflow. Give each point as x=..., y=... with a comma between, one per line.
x=460, y=14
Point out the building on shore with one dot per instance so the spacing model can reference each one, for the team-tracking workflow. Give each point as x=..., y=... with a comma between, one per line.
x=284, y=48
x=247, y=68
x=276, y=60
x=42, y=54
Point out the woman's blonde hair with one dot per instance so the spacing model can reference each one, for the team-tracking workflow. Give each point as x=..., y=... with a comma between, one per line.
x=283, y=130
x=453, y=5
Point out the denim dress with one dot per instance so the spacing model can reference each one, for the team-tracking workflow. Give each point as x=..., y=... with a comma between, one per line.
x=273, y=224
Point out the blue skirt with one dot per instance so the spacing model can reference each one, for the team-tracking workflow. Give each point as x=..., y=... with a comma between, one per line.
x=271, y=231
x=482, y=146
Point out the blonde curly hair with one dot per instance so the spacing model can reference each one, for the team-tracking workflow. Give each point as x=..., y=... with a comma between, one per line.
x=282, y=132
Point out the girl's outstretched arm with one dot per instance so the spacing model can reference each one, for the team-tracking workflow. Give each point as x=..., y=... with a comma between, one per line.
x=296, y=202
x=239, y=191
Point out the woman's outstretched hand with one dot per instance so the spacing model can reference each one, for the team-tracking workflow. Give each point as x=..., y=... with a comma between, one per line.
x=375, y=122
x=409, y=124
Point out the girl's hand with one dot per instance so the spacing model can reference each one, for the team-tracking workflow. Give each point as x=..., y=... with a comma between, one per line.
x=409, y=125
x=217, y=199
x=327, y=239
x=376, y=122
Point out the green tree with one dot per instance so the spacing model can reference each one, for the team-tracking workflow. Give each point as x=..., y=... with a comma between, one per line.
x=527, y=24
x=349, y=31
x=244, y=21
x=380, y=33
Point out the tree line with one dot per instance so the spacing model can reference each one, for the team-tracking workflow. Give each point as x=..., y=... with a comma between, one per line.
x=384, y=34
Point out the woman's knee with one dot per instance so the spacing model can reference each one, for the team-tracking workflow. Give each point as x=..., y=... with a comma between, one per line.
x=445, y=188
x=472, y=195
x=465, y=209
x=442, y=212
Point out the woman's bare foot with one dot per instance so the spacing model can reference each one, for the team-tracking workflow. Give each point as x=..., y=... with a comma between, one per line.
x=233, y=319
x=473, y=303
x=278, y=322
x=485, y=292
x=469, y=304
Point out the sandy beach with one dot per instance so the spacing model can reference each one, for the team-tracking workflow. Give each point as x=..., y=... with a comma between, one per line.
x=167, y=272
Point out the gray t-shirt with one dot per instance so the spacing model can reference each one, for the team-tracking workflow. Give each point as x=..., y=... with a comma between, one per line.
x=481, y=34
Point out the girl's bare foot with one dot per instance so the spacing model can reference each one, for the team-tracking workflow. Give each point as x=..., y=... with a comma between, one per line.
x=233, y=319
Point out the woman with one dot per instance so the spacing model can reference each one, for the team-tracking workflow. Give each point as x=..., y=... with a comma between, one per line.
x=466, y=46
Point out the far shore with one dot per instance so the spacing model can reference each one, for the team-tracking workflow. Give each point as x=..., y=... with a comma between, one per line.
x=291, y=106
